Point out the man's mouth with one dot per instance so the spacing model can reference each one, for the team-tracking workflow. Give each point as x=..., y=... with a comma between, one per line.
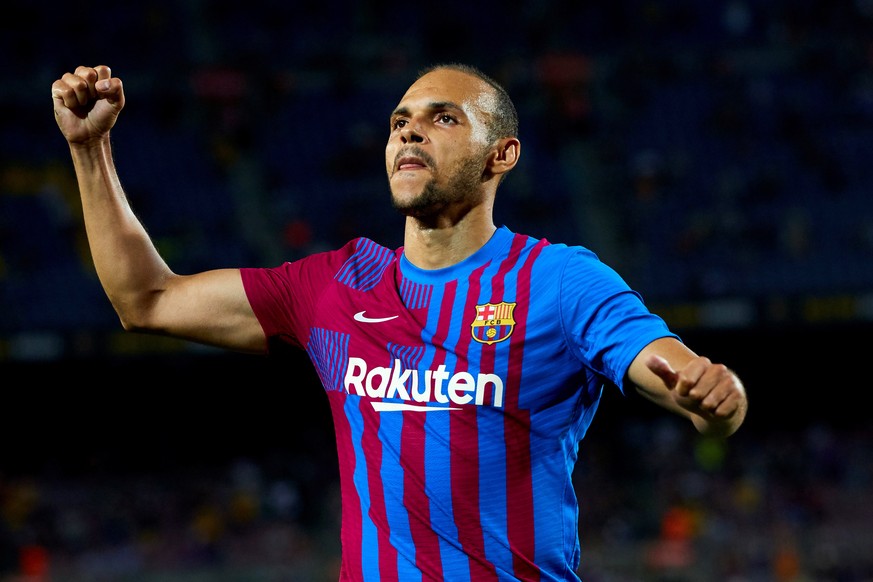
x=410, y=163
x=412, y=159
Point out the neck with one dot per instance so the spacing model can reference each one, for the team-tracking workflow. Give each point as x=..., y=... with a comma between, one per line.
x=442, y=241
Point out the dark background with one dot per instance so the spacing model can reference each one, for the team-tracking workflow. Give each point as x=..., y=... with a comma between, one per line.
x=164, y=412
x=717, y=154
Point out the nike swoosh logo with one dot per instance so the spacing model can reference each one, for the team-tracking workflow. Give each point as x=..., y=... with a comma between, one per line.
x=359, y=316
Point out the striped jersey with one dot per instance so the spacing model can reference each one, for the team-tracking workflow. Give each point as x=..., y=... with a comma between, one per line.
x=458, y=396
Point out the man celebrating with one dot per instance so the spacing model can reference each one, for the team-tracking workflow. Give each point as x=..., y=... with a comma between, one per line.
x=462, y=369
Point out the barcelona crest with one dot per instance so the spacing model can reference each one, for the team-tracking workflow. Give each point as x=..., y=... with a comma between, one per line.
x=493, y=322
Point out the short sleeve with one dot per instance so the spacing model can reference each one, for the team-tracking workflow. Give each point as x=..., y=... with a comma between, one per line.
x=606, y=322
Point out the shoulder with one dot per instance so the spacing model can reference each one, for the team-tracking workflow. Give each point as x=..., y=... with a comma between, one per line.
x=363, y=248
x=364, y=263
x=556, y=258
x=573, y=270
x=357, y=251
x=546, y=247
x=354, y=256
x=555, y=262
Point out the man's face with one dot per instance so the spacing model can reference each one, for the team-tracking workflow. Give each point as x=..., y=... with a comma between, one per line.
x=437, y=148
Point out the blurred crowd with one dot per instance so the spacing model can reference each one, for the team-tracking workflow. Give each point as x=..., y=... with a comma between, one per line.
x=724, y=144
x=656, y=504
x=707, y=150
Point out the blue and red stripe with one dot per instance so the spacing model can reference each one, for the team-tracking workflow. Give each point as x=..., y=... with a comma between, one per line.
x=463, y=428
x=520, y=519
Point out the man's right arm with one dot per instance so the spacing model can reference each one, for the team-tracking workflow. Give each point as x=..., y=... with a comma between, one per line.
x=209, y=307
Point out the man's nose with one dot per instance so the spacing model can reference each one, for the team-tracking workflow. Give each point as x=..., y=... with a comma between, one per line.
x=411, y=133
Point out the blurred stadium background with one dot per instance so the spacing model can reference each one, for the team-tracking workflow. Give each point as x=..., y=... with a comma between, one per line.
x=718, y=154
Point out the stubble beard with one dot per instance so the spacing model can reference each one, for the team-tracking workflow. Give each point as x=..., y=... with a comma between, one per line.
x=463, y=189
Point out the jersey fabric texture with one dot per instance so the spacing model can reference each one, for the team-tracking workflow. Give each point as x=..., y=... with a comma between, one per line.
x=458, y=396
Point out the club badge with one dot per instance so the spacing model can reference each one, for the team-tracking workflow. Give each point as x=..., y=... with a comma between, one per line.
x=493, y=322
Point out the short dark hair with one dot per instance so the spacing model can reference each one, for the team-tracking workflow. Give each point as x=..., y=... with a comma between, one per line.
x=504, y=117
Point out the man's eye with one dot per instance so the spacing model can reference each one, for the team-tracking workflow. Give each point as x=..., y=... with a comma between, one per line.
x=399, y=123
x=446, y=118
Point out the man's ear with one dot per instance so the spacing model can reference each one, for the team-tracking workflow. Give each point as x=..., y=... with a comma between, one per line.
x=504, y=156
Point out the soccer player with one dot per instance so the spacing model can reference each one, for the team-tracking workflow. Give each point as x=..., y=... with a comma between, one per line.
x=462, y=369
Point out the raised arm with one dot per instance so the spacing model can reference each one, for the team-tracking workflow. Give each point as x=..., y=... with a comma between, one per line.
x=209, y=307
x=709, y=394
